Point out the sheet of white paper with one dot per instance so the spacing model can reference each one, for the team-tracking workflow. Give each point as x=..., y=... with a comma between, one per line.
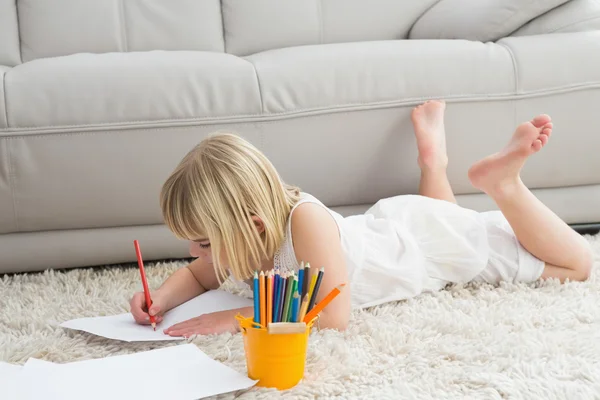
x=123, y=326
x=9, y=383
x=181, y=372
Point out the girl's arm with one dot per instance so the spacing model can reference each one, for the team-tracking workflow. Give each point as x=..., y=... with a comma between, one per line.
x=187, y=283
x=317, y=241
x=183, y=285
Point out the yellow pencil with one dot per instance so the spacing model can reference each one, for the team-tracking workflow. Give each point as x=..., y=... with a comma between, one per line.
x=313, y=282
x=303, y=308
x=263, y=299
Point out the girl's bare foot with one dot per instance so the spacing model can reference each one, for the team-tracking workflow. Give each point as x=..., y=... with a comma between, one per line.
x=496, y=173
x=428, y=121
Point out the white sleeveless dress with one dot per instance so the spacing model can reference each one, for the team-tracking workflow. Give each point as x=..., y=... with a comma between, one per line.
x=406, y=245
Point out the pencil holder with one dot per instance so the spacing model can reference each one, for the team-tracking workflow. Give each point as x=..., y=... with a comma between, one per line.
x=275, y=360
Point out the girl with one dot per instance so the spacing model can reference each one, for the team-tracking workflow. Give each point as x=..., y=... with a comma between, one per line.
x=227, y=199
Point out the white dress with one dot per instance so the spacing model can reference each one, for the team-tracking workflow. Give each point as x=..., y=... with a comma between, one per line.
x=406, y=245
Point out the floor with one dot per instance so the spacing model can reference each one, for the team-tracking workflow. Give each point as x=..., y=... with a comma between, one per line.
x=480, y=342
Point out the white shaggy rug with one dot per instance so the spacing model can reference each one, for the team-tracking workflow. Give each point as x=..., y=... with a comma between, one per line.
x=539, y=341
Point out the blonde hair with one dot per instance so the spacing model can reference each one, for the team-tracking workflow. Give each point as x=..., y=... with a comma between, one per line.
x=216, y=190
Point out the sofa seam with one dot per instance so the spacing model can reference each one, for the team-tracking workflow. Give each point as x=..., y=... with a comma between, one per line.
x=557, y=30
x=5, y=99
x=515, y=14
x=124, y=26
x=321, y=22
x=19, y=33
x=514, y=63
x=158, y=128
x=516, y=75
x=312, y=111
x=260, y=96
x=223, y=26
x=42, y=231
x=410, y=29
x=11, y=184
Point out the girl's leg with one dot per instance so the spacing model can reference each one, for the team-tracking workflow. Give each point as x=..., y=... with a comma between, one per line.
x=428, y=122
x=565, y=252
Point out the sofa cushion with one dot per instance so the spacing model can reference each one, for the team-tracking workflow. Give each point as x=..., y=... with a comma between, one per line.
x=252, y=26
x=574, y=16
x=483, y=20
x=9, y=34
x=91, y=89
x=64, y=27
x=359, y=75
x=571, y=61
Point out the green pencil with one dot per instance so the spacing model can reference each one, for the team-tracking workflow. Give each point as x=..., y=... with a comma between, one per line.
x=288, y=298
x=294, y=290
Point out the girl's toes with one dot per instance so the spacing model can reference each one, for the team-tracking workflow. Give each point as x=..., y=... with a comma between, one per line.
x=536, y=145
x=546, y=131
x=544, y=139
x=541, y=120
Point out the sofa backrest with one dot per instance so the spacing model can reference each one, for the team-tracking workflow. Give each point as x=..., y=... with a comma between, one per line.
x=252, y=26
x=50, y=28
x=9, y=34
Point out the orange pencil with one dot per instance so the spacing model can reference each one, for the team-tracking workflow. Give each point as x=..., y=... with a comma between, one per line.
x=269, y=298
x=263, y=300
x=138, y=253
x=319, y=307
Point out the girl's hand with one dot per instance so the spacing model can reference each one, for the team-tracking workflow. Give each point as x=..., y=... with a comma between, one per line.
x=207, y=324
x=140, y=312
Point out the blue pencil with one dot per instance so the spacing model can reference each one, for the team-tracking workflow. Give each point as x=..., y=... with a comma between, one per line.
x=276, y=296
x=300, y=278
x=256, y=298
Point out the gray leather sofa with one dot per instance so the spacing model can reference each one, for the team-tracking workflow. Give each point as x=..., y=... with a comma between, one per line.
x=99, y=99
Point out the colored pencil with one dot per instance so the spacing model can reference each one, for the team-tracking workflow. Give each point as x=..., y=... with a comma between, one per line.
x=313, y=282
x=282, y=291
x=275, y=290
x=303, y=308
x=291, y=300
x=269, y=297
x=295, y=305
x=288, y=297
x=319, y=307
x=256, y=299
x=263, y=299
x=276, y=295
x=138, y=253
x=305, y=279
x=313, y=298
x=300, y=279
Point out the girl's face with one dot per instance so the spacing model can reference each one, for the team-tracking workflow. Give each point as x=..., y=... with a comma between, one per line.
x=201, y=249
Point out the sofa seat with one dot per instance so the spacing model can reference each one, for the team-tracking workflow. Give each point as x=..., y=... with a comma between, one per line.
x=128, y=88
x=162, y=88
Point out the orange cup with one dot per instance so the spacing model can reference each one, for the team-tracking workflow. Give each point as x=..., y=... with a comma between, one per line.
x=275, y=360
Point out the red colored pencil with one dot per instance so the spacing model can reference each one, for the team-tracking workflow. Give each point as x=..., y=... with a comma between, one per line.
x=144, y=282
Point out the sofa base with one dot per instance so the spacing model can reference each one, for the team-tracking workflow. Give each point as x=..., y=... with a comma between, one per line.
x=107, y=246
